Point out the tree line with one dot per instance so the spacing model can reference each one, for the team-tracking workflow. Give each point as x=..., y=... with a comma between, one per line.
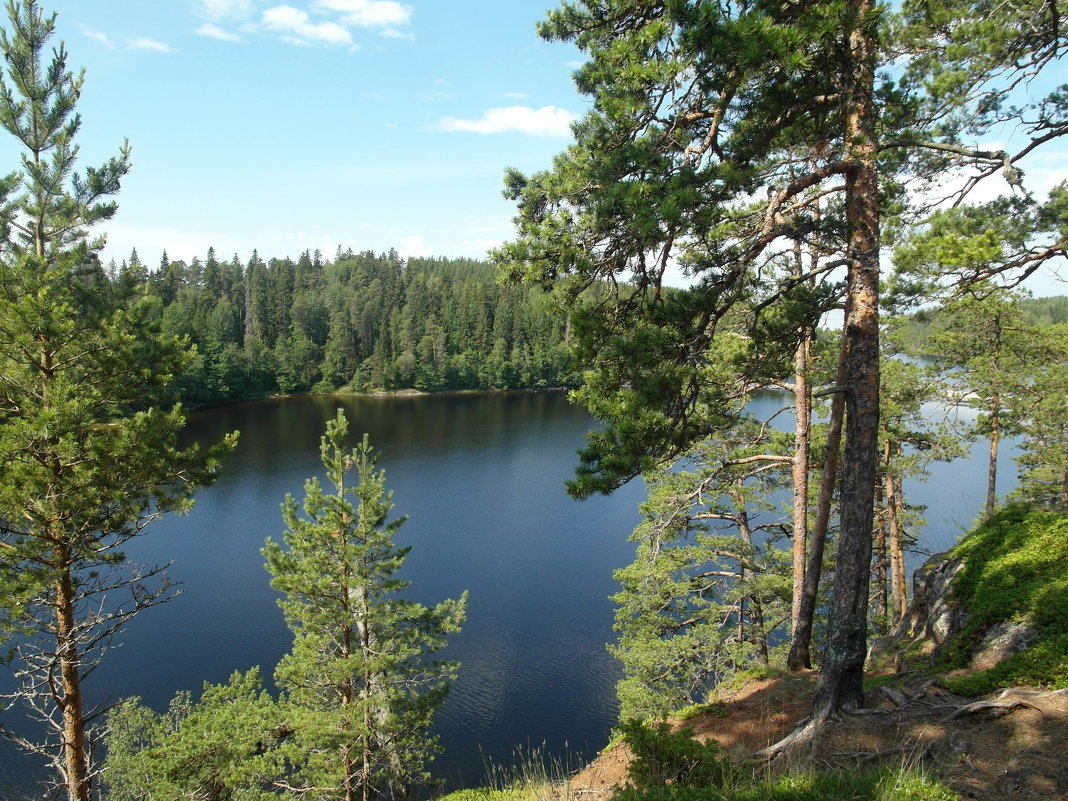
x=361, y=322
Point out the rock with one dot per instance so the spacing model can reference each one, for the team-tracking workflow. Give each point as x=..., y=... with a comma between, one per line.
x=1000, y=642
x=931, y=618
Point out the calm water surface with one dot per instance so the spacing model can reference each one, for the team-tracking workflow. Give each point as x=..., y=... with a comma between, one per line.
x=482, y=479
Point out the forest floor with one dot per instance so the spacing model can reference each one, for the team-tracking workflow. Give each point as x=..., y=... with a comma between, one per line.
x=1012, y=745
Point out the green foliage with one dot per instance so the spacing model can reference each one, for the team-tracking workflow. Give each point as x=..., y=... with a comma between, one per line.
x=358, y=682
x=224, y=746
x=1015, y=569
x=487, y=794
x=90, y=456
x=665, y=757
x=1043, y=457
x=703, y=595
x=900, y=784
x=362, y=322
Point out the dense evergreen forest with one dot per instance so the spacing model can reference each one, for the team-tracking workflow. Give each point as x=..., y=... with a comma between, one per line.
x=363, y=322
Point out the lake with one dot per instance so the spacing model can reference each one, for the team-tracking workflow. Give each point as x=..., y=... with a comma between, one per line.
x=481, y=477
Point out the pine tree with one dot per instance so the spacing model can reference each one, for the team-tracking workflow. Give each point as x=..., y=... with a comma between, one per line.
x=87, y=463
x=358, y=678
x=718, y=134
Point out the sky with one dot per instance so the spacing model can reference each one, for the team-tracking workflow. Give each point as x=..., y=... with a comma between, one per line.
x=293, y=125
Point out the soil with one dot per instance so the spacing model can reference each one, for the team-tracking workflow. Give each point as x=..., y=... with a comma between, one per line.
x=1009, y=746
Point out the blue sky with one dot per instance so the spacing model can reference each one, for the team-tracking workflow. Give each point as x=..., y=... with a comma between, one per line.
x=291, y=125
x=287, y=125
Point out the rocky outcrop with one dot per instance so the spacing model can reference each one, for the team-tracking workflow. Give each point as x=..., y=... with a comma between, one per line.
x=933, y=618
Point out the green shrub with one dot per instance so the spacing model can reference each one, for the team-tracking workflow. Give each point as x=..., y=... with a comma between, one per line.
x=663, y=757
x=889, y=784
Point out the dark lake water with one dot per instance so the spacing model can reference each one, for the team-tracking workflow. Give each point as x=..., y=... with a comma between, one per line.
x=482, y=478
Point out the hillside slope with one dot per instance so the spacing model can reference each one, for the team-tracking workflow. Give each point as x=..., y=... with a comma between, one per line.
x=986, y=617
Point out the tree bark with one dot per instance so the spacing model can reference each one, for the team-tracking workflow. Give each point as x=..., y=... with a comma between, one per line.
x=75, y=759
x=840, y=684
x=897, y=550
x=802, y=420
x=881, y=559
x=800, y=657
x=992, y=464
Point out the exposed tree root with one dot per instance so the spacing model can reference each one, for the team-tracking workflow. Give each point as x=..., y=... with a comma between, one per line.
x=1009, y=700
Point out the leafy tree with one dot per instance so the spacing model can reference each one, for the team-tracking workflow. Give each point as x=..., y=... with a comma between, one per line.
x=988, y=353
x=87, y=463
x=1043, y=459
x=909, y=441
x=358, y=679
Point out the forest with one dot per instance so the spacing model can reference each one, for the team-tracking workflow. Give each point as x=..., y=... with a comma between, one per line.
x=793, y=161
x=362, y=322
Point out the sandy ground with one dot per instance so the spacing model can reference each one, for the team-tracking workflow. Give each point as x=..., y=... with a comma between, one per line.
x=1012, y=746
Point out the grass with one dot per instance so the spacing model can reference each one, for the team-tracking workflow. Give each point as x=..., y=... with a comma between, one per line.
x=1015, y=569
x=890, y=784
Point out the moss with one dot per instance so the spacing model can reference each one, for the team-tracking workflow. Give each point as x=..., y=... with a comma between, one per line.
x=1015, y=569
x=713, y=708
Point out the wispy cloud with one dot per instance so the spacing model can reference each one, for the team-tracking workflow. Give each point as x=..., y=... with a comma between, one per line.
x=296, y=27
x=368, y=13
x=545, y=121
x=143, y=43
x=213, y=31
x=99, y=37
x=226, y=9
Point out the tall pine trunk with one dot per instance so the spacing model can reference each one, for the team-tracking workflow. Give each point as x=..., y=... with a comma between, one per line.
x=992, y=464
x=800, y=467
x=800, y=657
x=840, y=684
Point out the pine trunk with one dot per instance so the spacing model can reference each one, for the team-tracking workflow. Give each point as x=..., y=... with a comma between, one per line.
x=897, y=543
x=800, y=657
x=840, y=685
x=75, y=759
x=802, y=419
x=897, y=552
x=881, y=558
x=992, y=465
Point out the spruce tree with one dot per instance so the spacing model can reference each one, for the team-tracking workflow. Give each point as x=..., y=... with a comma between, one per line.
x=359, y=680
x=87, y=460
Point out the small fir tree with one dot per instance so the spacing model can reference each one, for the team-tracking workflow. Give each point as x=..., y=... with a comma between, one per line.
x=359, y=680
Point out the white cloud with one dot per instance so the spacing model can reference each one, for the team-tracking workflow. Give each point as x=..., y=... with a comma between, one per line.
x=99, y=37
x=143, y=43
x=369, y=13
x=215, y=32
x=544, y=121
x=224, y=9
x=295, y=26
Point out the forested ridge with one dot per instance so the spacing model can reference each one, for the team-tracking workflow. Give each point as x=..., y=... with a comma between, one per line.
x=360, y=321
